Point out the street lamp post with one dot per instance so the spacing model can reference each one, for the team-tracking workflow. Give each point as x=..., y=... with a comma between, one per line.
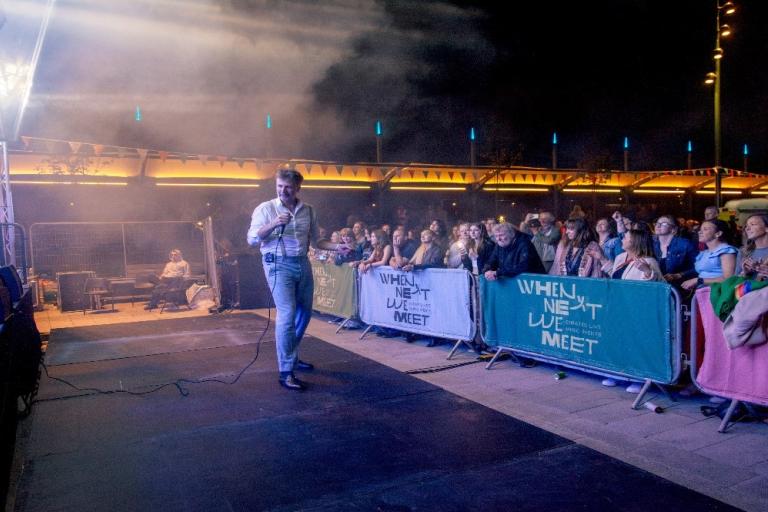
x=722, y=30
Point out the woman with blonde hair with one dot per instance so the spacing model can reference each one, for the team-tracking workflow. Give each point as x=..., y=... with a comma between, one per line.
x=460, y=248
x=752, y=260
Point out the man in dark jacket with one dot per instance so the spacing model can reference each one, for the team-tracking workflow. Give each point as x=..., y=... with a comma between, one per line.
x=514, y=254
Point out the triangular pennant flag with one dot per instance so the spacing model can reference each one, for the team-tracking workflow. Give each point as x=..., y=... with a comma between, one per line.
x=308, y=168
x=25, y=141
x=222, y=160
x=450, y=175
x=203, y=159
x=412, y=173
x=525, y=177
x=98, y=149
x=709, y=172
x=463, y=176
x=732, y=173
x=324, y=168
x=369, y=170
x=240, y=162
x=534, y=177
x=426, y=174
x=399, y=172
x=142, y=153
x=75, y=146
x=258, y=163
x=355, y=171
x=163, y=155
x=183, y=157
x=340, y=169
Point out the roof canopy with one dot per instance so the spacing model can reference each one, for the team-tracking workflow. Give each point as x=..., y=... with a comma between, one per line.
x=39, y=160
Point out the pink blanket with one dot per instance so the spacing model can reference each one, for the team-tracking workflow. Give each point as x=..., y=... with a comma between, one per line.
x=741, y=373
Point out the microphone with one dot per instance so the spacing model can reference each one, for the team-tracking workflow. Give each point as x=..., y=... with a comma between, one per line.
x=282, y=230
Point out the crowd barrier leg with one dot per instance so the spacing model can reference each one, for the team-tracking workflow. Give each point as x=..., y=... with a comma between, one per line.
x=727, y=418
x=499, y=352
x=366, y=331
x=342, y=325
x=646, y=387
x=456, y=347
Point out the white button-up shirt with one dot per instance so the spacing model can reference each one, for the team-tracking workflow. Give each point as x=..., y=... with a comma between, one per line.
x=299, y=233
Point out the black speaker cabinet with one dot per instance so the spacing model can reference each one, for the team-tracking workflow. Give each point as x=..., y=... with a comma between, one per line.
x=251, y=285
x=71, y=290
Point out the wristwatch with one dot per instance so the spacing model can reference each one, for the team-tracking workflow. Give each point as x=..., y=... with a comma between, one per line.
x=699, y=281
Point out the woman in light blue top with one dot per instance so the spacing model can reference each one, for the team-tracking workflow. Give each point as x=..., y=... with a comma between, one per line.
x=718, y=261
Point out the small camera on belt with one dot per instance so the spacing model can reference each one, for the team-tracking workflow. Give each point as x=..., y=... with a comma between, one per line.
x=269, y=257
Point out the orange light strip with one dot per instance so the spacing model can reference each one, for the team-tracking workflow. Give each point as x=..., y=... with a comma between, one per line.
x=338, y=187
x=515, y=189
x=723, y=192
x=657, y=191
x=217, y=185
x=435, y=189
x=596, y=190
x=45, y=182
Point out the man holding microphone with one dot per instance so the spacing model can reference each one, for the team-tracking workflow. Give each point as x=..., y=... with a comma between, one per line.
x=285, y=227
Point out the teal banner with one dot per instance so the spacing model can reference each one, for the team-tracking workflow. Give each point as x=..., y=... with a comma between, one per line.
x=335, y=289
x=623, y=327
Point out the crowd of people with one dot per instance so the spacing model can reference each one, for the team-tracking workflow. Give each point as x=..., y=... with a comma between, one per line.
x=685, y=253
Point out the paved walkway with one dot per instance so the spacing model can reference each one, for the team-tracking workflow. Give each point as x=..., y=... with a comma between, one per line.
x=680, y=444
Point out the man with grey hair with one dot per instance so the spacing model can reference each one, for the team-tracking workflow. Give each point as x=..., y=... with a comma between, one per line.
x=514, y=254
x=546, y=239
x=285, y=227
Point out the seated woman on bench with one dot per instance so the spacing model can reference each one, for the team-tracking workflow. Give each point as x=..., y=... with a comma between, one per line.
x=174, y=273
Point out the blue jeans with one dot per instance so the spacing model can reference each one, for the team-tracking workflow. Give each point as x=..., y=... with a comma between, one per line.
x=290, y=279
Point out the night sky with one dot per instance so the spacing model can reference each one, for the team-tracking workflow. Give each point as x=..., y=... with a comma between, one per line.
x=205, y=75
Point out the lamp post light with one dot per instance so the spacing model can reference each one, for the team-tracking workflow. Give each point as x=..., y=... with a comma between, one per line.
x=268, y=124
x=722, y=30
x=554, y=150
x=472, y=148
x=626, y=153
x=690, y=155
x=379, y=133
x=746, y=158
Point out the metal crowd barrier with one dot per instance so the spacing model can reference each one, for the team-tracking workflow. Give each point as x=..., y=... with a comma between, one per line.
x=611, y=328
x=736, y=374
x=405, y=301
x=336, y=291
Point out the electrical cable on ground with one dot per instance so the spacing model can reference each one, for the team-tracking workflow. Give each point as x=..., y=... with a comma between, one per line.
x=178, y=383
x=434, y=369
